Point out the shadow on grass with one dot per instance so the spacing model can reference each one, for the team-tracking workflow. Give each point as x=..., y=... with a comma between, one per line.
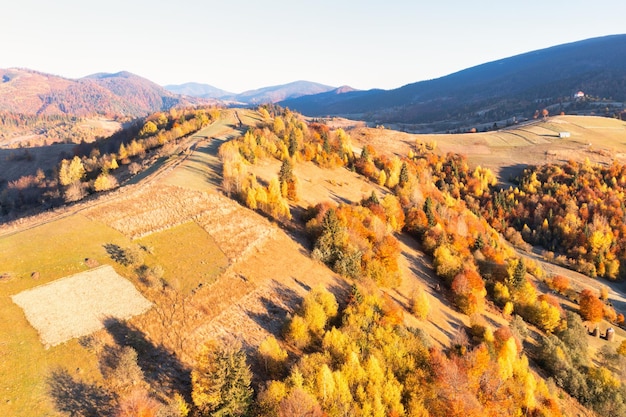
x=116, y=252
x=161, y=368
x=78, y=398
x=276, y=308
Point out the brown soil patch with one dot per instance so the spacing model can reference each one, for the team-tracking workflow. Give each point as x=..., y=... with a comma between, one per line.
x=79, y=304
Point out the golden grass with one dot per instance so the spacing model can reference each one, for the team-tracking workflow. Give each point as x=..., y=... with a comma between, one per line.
x=154, y=208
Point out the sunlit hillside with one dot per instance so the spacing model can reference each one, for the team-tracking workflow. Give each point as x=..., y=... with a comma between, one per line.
x=257, y=263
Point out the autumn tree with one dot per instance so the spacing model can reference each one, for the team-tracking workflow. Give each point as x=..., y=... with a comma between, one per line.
x=560, y=283
x=119, y=368
x=138, y=404
x=105, y=182
x=221, y=381
x=591, y=308
x=288, y=181
x=148, y=129
x=71, y=171
x=273, y=356
x=420, y=306
x=299, y=403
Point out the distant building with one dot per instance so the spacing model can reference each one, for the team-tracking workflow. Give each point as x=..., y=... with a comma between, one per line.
x=564, y=135
x=579, y=95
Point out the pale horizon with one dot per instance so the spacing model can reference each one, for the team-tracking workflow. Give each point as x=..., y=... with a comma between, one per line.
x=245, y=45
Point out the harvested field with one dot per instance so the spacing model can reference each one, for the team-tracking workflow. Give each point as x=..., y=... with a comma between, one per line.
x=79, y=304
x=155, y=208
x=236, y=230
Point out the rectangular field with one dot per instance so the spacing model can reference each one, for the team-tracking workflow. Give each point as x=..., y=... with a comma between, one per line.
x=79, y=304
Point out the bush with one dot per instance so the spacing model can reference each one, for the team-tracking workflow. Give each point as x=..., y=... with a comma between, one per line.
x=420, y=305
x=273, y=357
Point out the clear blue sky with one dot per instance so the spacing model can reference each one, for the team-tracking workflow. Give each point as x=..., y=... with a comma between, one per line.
x=239, y=45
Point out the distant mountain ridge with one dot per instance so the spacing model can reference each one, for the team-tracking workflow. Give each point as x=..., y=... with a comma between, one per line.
x=31, y=92
x=198, y=90
x=271, y=94
x=493, y=91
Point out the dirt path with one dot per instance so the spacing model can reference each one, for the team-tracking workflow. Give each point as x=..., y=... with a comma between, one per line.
x=185, y=150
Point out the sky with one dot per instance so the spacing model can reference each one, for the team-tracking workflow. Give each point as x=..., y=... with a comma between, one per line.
x=240, y=45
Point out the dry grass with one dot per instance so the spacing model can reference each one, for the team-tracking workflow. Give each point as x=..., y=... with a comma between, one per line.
x=236, y=230
x=79, y=304
x=154, y=208
x=506, y=152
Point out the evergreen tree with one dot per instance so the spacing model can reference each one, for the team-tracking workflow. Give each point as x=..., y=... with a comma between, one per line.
x=404, y=175
x=286, y=171
x=429, y=211
x=221, y=381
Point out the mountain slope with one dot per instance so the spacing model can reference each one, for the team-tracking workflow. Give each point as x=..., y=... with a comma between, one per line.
x=30, y=92
x=198, y=90
x=496, y=90
x=281, y=92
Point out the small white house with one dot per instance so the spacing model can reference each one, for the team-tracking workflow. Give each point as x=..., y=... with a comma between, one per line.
x=564, y=135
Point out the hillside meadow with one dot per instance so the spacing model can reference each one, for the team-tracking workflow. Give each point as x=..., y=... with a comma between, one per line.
x=216, y=270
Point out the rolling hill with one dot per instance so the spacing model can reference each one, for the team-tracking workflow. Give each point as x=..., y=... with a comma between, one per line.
x=198, y=90
x=271, y=94
x=25, y=91
x=491, y=92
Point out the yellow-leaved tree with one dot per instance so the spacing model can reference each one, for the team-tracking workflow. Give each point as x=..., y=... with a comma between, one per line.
x=71, y=171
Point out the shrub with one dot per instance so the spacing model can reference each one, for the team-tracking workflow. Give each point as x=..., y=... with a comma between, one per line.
x=420, y=305
x=560, y=283
x=273, y=356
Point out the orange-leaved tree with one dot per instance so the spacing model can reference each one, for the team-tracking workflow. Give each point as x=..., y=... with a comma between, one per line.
x=591, y=308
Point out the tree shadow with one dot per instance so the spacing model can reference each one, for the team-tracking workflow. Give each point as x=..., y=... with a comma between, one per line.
x=116, y=252
x=162, y=370
x=276, y=309
x=78, y=398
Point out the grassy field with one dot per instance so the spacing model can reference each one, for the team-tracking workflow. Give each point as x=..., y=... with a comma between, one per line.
x=508, y=151
x=54, y=250
x=188, y=255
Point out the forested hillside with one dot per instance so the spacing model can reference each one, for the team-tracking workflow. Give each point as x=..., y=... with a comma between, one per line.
x=30, y=92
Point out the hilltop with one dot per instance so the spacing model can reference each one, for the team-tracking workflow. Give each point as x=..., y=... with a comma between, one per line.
x=270, y=94
x=24, y=91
